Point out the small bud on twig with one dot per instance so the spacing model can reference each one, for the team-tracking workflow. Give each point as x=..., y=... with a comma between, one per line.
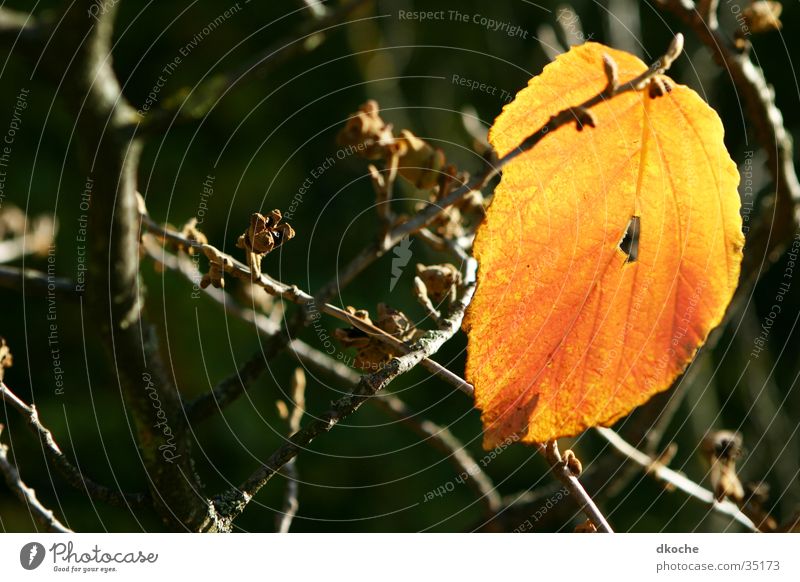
x=573, y=463
x=612, y=74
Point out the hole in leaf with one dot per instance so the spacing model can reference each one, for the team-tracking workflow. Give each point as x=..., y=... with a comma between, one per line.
x=630, y=241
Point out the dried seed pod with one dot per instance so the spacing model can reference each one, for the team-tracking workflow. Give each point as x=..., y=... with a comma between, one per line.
x=573, y=463
x=586, y=527
x=366, y=133
x=372, y=352
x=441, y=281
x=420, y=163
x=722, y=449
x=192, y=233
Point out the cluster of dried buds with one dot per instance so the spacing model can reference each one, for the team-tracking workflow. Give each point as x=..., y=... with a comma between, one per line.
x=264, y=235
x=372, y=352
x=434, y=284
x=413, y=159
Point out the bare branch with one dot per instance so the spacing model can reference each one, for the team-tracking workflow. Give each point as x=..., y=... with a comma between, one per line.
x=673, y=478
x=230, y=504
x=18, y=30
x=229, y=389
x=71, y=473
x=27, y=495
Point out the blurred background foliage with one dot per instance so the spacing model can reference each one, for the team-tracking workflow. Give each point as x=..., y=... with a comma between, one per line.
x=260, y=143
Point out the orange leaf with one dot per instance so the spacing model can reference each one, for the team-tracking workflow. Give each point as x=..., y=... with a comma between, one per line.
x=573, y=323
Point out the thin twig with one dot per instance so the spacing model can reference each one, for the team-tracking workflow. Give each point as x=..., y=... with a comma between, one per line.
x=71, y=473
x=27, y=495
x=36, y=282
x=564, y=474
x=316, y=7
x=673, y=478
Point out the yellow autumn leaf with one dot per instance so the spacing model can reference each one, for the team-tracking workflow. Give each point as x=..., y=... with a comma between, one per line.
x=607, y=255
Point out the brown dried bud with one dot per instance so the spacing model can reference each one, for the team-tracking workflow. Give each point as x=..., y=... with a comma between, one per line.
x=217, y=265
x=586, y=527
x=573, y=463
x=441, y=281
x=6, y=359
x=763, y=16
x=265, y=233
x=369, y=136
